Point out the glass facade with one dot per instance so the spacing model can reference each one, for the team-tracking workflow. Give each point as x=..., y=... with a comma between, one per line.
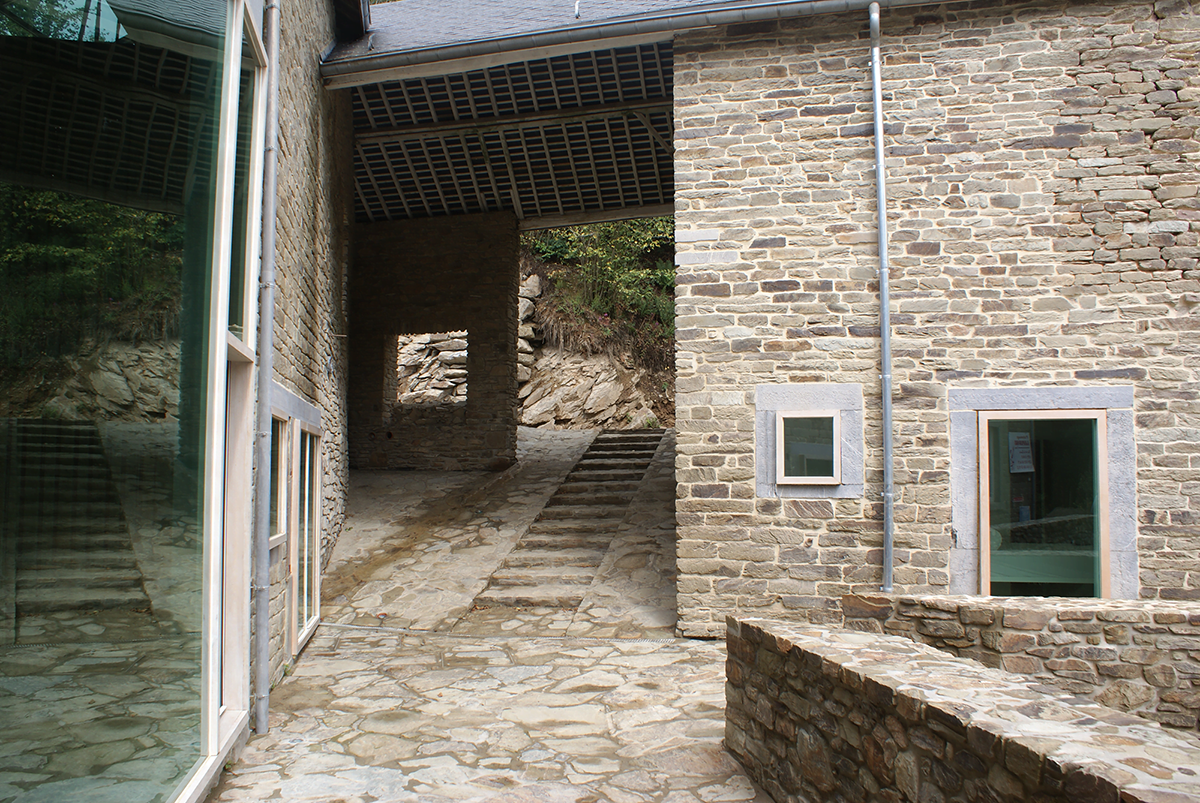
x=1043, y=506
x=108, y=218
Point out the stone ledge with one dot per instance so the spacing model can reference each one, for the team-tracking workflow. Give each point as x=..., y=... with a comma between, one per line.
x=817, y=714
x=1139, y=656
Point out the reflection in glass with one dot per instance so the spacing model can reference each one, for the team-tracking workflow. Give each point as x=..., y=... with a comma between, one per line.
x=807, y=448
x=1043, y=507
x=241, y=205
x=72, y=20
x=106, y=228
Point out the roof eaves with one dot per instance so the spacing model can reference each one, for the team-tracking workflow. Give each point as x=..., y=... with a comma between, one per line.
x=356, y=65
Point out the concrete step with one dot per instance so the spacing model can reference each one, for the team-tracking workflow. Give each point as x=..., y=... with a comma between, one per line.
x=49, y=600
x=607, y=465
x=34, y=522
x=78, y=578
x=541, y=596
x=604, y=475
x=65, y=471
x=561, y=556
x=83, y=543
x=641, y=434
x=583, y=513
x=632, y=449
x=87, y=491
x=592, y=499
x=49, y=559
x=617, y=454
x=53, y=511
x=57, y=456
x=576, y=526
x=555, y=540
x=549, y=575
x=614, y=487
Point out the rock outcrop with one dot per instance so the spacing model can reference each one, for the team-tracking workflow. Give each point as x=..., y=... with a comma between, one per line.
x=558, y=389
x=119, y=381
x=578, y=391
x=432, y=369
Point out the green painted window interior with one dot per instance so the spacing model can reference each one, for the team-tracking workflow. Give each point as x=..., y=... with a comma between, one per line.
x=107, y=225
x=1044, y=507
x=808, y=447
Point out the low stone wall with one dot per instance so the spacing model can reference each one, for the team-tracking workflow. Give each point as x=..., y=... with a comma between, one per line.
x=1140, y=656
x=824, y=715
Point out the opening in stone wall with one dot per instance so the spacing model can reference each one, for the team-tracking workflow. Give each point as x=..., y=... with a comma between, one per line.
x=431, y=369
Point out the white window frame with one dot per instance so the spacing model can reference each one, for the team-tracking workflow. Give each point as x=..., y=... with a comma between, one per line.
x=300, y=632
x=1102, y=548
x=781, y=477
x=225, y=650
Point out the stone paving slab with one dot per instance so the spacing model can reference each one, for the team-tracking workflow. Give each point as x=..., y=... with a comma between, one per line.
x=380, y=715
x=419, y=546
x=441, y=701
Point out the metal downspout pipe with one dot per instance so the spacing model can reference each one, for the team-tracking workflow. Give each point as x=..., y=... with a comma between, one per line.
x=266, y=376
x=885, y=326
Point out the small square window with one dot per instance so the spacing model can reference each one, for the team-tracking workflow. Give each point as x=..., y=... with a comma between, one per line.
x=807, y=449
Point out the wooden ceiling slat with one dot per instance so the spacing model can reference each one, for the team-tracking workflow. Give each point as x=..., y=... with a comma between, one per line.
x=579, y=135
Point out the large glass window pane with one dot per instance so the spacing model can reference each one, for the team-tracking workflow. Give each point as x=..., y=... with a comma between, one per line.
x=239, y=256
x=107, y=203
x=1043, y=506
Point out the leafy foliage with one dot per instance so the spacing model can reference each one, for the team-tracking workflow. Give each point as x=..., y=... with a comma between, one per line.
x=92, y=21
x=72, y=267
x=611, y=287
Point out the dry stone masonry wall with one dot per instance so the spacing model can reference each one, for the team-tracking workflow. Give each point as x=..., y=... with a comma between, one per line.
x=833, y=715
x=312, y=242
x=1045, y=225
x=431, y=369
x=1141, y=657
x=560, y=389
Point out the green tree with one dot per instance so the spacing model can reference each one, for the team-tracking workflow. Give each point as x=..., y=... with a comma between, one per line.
x=612, y=287
x=617, y=269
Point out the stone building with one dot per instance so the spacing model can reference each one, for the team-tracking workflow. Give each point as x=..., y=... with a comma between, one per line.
x=1040, y=192
x=1041, y=186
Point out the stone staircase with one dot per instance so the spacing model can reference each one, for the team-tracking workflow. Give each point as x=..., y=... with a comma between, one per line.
x=556, y=560
x=73, y=546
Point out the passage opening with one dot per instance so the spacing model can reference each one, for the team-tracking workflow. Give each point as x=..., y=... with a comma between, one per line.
x=431, y=369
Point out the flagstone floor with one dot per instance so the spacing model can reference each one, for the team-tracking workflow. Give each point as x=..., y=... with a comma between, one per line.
x=408, y=692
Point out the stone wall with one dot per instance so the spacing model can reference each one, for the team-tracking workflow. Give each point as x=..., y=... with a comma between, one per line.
x=1141, y=657
x=426, y=276
x=312, y=242
x=833, y=715
x=1042, y=202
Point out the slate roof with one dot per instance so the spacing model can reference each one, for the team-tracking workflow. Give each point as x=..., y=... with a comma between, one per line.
x=421, y=24
x=468, y=106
